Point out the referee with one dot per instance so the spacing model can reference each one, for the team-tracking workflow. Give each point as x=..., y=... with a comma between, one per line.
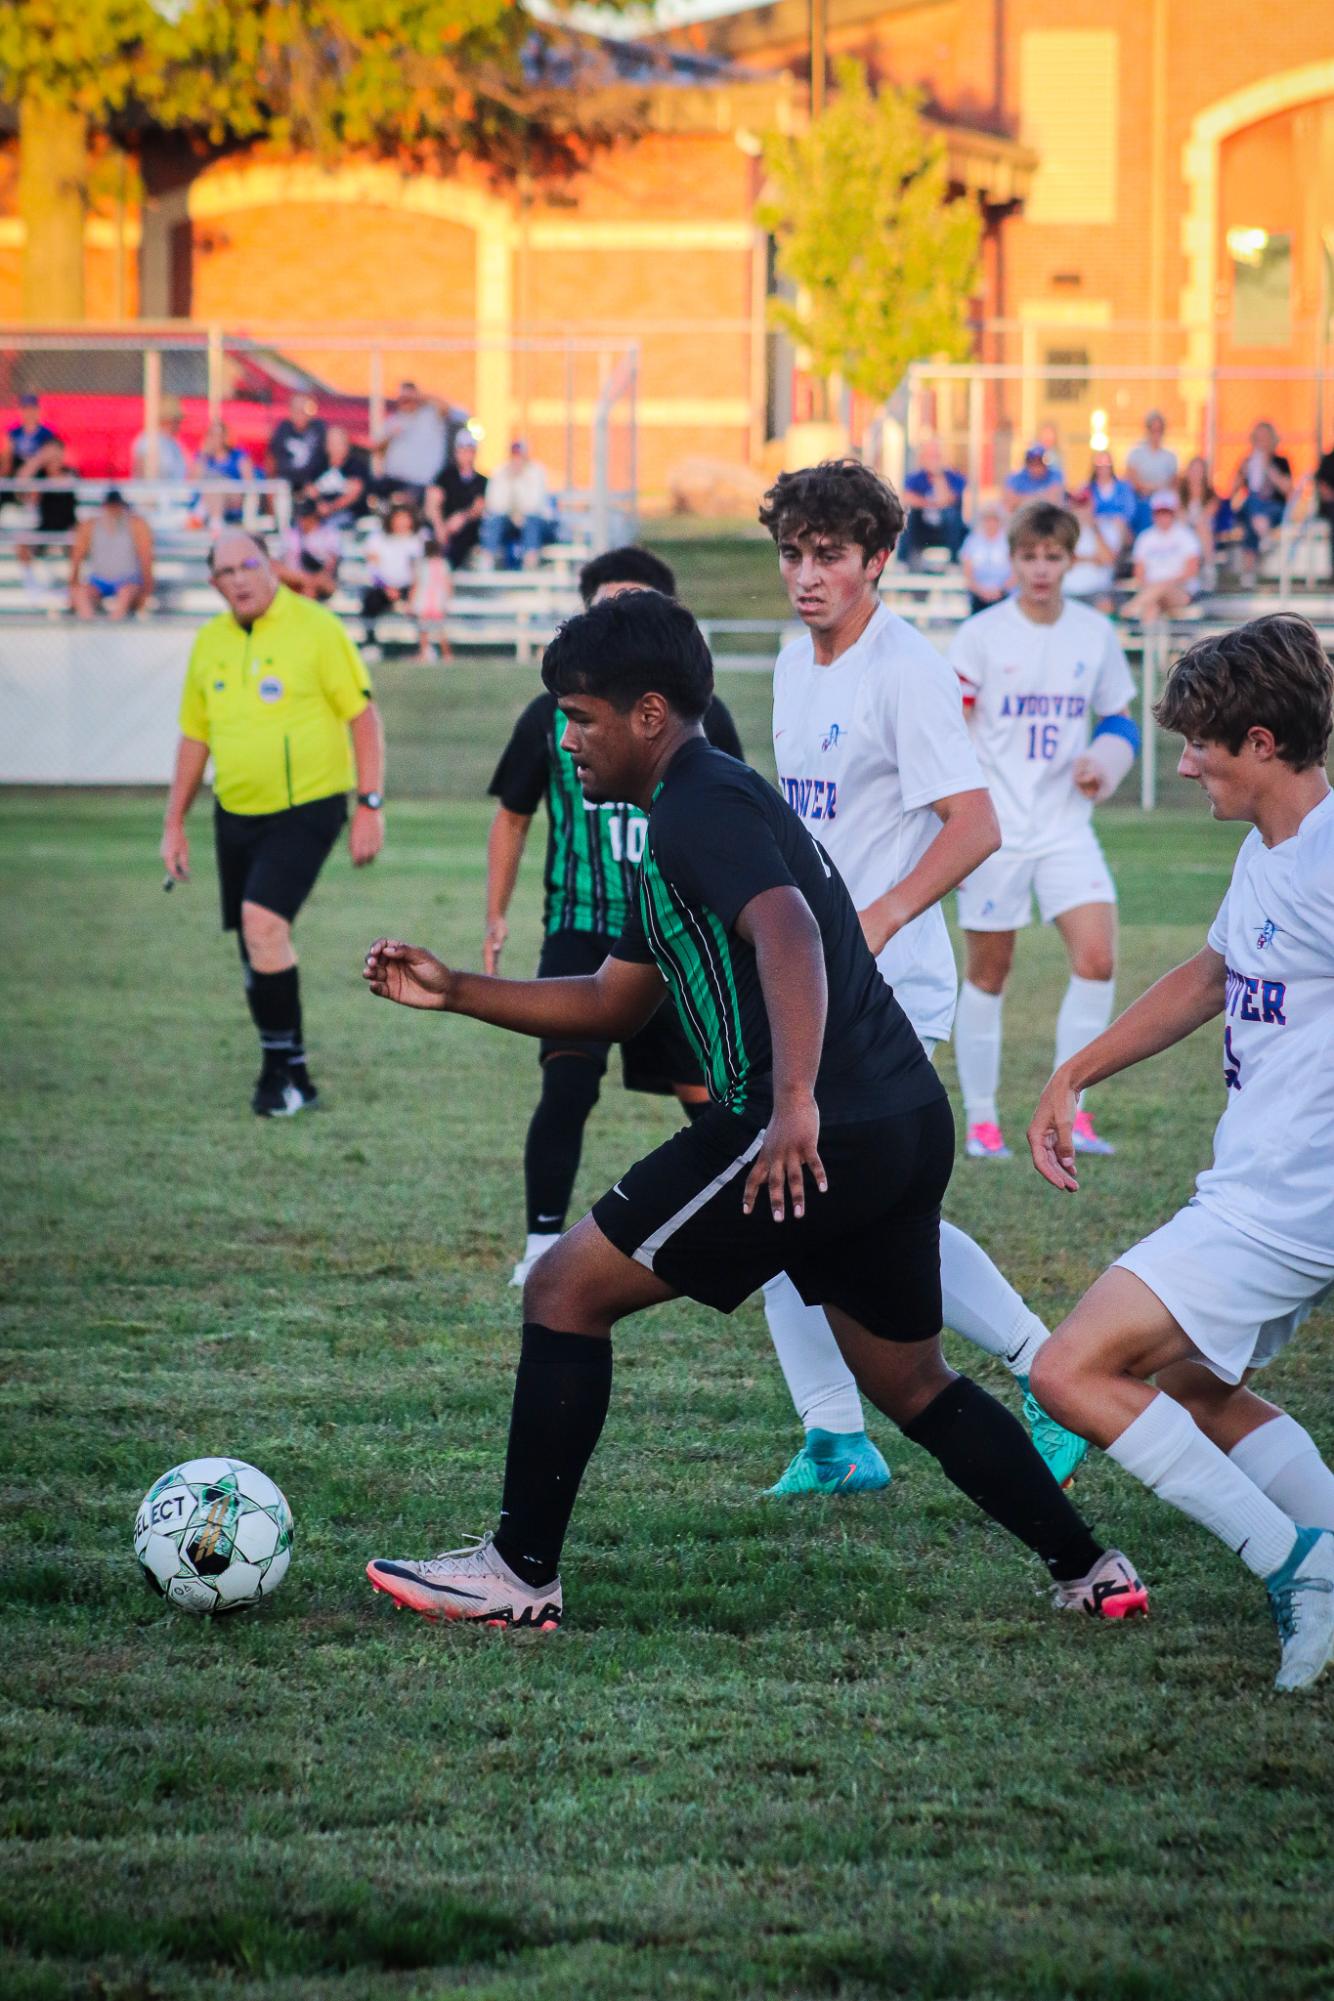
x=273, y=690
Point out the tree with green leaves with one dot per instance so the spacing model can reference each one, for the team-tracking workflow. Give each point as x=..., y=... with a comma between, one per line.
x=882, y=261
x=415, y=79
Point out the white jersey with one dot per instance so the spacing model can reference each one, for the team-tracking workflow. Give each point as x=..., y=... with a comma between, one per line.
x=1034, y=691
x=1272, y=1176
x=863, y=747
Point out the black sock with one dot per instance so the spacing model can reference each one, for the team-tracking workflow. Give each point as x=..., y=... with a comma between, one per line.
x=561, y=1393
x=570, y=1086
x=989, y=1456
x=275, y=1003
x=695, y=1111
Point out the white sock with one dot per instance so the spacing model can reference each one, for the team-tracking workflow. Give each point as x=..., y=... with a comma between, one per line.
x=1085, y=1012
x=539, y=1241
x=1166, y=1449
x=819, y=1381
x=1284, y=1462
x=977, y=1052
x=983, y=1306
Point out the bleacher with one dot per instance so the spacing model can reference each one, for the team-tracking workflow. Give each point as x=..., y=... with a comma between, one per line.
x=507, y=610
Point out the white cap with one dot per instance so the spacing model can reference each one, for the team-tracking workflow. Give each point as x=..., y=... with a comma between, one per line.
x=1166, y=496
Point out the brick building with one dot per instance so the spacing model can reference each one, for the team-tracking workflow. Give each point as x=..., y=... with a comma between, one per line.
x=1156, y=177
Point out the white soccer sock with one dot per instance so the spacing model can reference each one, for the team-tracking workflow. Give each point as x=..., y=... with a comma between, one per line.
x=1166, y=1449
x=983, y=1306
x=1085, y=1012
x=977, y=1052
x=1284, y=1462
x=819, y=1381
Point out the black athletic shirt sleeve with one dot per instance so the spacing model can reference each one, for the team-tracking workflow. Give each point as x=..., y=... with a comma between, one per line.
x=633, y=945
x=520, y=779
x=721, y=730
x=727, y=859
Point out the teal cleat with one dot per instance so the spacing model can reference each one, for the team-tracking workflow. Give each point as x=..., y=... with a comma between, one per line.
x=1061, y=1450
x=1301, y=1598
x=835, y=1462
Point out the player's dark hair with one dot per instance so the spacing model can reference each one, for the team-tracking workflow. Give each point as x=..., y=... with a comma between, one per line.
x=839, y=497
x=630, y=565
x=1270, y=674
x=1044, y=521
x=637, y=643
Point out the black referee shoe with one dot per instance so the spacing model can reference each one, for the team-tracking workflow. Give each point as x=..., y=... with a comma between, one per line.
x=276, y=1096
x=301, y=1077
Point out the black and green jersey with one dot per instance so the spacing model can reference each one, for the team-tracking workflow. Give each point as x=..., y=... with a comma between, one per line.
x=593, y=852
x=718, y=836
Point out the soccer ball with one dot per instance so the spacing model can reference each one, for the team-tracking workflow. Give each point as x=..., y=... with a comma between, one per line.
x=214, y=1535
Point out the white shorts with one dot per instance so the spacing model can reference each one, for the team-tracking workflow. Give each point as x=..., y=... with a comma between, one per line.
x=998, y=896
x=1240, y=1301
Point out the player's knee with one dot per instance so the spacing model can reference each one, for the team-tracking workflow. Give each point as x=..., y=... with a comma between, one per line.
x=1095, y=962
x=571, y=1086
x=1054, y=1381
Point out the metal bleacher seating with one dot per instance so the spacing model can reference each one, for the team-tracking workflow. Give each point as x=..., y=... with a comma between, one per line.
x=511, y=610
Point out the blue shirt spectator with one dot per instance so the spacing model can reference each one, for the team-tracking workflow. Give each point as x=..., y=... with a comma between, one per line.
x=30, y=435
x=933, y=504
x=1036, y=479
x=1111, y=495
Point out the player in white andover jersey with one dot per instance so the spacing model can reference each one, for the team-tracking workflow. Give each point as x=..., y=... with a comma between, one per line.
x=1037, y=670
x=873, y=755
x=1223, y=1286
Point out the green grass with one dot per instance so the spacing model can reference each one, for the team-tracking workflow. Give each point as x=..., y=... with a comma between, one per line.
x=808, y=1750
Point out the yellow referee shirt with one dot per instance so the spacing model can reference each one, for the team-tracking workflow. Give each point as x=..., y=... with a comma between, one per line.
x=273, y=705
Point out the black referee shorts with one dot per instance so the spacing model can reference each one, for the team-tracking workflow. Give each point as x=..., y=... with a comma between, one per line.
x=870, y=1246
x=654, y=1059
x=273, y=859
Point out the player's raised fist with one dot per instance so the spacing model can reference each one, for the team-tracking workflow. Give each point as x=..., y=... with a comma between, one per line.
x=408, y=974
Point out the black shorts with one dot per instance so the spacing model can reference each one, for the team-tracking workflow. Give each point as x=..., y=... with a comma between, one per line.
x=870, y=1245
x=655, y=1059
x=273, y=858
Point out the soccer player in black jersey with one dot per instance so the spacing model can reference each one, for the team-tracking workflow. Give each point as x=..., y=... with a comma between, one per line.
x=824, y=1151
x=593, y=853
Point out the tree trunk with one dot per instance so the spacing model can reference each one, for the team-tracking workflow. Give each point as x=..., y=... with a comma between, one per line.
x=53, y=174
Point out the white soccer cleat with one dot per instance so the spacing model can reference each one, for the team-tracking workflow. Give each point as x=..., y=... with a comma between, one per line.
x=985, y=1141
x=474, y=1584
x=1301, y=1598
x=1111, y=1590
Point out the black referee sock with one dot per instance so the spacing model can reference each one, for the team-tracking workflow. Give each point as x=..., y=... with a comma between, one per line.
x=275, y=1005
x=561, y=1393
x=989, y=1456
x=570, y=1086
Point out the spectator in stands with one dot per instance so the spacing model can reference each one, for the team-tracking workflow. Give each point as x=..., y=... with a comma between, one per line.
x=412, y=446
x=57, y=516
x=933, y=502
x=432, y=595
x=111, y=561
x=1035, y=480
x=218, y=458
x=1259, y=495
x=30, y=440
x=456, y=503
x=1102, y=537
x=1150, y=467
x=1324, y=496
x=1050, y=440
x=342, y=491
x=310, y=555
x=394, y=561
x=985, y=556
x=518, y=521
x=298, y=449
x=1167, y=561
x=1200, y=508
x=172, y=466
x=1111, y=495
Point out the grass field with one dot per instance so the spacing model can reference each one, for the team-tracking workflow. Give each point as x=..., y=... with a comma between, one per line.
x=803, y=1750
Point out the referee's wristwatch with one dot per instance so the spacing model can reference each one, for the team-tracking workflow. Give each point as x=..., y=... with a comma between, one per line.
x=375, y=800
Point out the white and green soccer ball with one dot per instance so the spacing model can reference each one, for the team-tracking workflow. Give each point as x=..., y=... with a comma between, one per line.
x=214, y=1535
